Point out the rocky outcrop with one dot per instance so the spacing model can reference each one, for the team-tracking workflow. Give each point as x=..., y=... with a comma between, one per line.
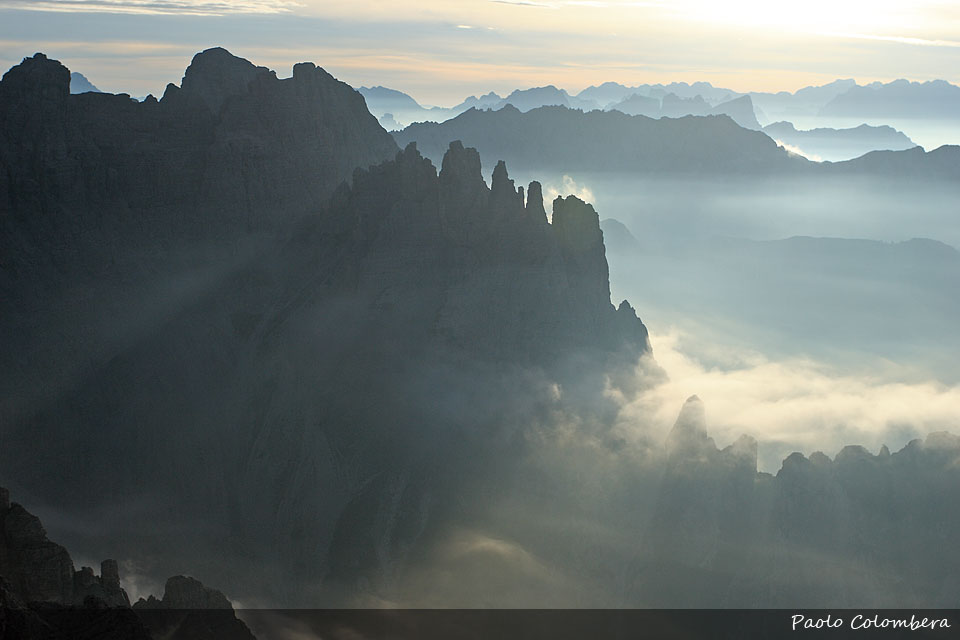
x=42, y=597
x=183, y=592
x=37, y=569
x=188, y=609
x=105, y=587
x=491, y=253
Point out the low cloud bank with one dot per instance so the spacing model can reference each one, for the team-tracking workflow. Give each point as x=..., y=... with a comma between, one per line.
x=791, y=404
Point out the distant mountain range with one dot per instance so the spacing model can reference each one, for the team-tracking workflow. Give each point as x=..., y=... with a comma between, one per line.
x=672, y=106
x=839, y=144
x=937, y=99
x=840, y=97
x=80, y=84
x=559, y=139
x=562, y=139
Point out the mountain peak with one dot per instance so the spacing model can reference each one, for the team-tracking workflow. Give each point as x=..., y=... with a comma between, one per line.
x=535, y=208
x=500, y=181
x=216, y=74
x=461, y=165
x=38, y=76
x=80, y=84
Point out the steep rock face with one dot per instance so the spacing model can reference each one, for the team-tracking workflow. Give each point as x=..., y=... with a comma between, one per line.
x=184, y=592
x=741, y=110
x=39, y=570
x=323, y=398
x=232, y=149
x=190, y=610
x=496, y=264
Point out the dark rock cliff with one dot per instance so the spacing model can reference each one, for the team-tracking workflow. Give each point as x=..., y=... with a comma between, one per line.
x=233, y=148
x=297, y=383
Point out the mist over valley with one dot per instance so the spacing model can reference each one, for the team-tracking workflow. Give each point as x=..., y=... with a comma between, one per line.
x=621, y=348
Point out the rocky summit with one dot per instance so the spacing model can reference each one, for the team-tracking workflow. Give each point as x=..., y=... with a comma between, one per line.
x=233, y=147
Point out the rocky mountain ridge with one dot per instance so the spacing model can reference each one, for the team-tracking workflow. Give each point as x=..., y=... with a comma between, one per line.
x=605, y=141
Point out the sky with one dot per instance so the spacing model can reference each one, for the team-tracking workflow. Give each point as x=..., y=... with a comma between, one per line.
x=441, y=51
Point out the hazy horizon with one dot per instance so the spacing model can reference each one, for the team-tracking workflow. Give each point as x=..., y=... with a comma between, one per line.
x=431, y=50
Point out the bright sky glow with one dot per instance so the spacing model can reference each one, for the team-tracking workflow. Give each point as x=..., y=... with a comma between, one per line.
x=441, y=51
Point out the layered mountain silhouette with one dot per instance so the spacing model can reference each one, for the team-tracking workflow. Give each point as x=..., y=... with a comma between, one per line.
x=672, y=106
x=609, y=93
x=806, y=101
x=611, y=141
x=942, y=163
x=839, y=144
x=936, y=99
x=558, y=138
x=401, y=107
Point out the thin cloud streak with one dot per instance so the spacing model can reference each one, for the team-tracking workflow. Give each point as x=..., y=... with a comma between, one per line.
x=898, y=39
x=154, y=7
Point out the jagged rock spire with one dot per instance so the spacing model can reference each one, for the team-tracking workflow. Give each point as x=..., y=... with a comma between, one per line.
x=535, y=208
x=503, y=194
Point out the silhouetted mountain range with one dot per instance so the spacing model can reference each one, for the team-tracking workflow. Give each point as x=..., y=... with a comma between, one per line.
x=936, y=99
x=942, y=163
x=805, y=101
x=839, y=144
x=558, y=139
x=80, y=84
x=608, y=93
x=402, y=108
x=739, y=109
x=562, y=139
